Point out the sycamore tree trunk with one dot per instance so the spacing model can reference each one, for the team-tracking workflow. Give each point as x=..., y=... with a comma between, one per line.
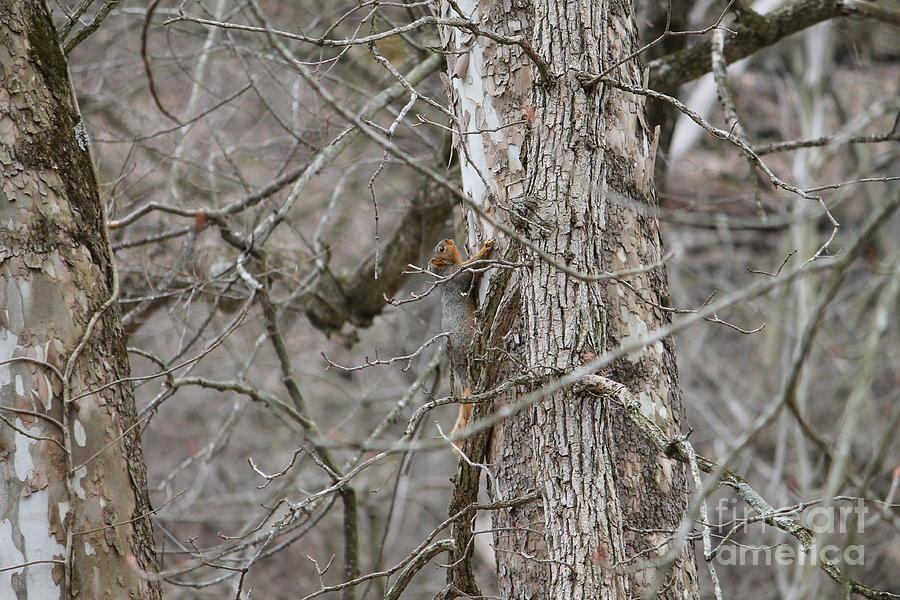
x=570, y=170
x=74, y=512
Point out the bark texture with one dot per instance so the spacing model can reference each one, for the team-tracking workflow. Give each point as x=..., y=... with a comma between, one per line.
x=566, y=169
x=73, y=498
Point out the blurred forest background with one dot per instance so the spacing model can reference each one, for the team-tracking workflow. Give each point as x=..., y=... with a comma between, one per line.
x=202, y=132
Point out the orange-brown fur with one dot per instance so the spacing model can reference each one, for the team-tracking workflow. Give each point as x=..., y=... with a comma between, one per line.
x=458, y=316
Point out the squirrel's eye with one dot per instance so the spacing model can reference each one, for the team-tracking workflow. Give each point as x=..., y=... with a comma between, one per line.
x=440, y=248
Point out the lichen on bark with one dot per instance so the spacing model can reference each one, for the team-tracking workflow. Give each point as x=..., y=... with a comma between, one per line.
x=76, y=500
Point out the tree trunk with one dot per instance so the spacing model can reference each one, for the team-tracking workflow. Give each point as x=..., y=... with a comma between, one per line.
x=73, y=497
x=570, y=170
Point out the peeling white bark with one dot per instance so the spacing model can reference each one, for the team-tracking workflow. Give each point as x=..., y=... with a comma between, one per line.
x=39, y=543
x=546, y=168
x=9, y=555
x=55, y=267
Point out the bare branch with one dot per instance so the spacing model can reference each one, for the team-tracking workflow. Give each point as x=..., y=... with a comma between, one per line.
x=751, y=35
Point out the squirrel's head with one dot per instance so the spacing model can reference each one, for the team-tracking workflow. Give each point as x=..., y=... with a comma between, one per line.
x=445, y=255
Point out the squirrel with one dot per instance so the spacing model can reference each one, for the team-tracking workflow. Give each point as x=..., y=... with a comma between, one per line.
x=458, y=305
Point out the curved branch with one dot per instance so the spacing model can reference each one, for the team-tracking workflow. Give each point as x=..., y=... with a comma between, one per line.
x=755, y=32
x=362, y=297
x=416, y=565
x=677, y=449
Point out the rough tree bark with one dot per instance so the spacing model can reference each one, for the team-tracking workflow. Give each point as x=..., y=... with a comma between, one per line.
x=570, y=170
x=73, y=497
